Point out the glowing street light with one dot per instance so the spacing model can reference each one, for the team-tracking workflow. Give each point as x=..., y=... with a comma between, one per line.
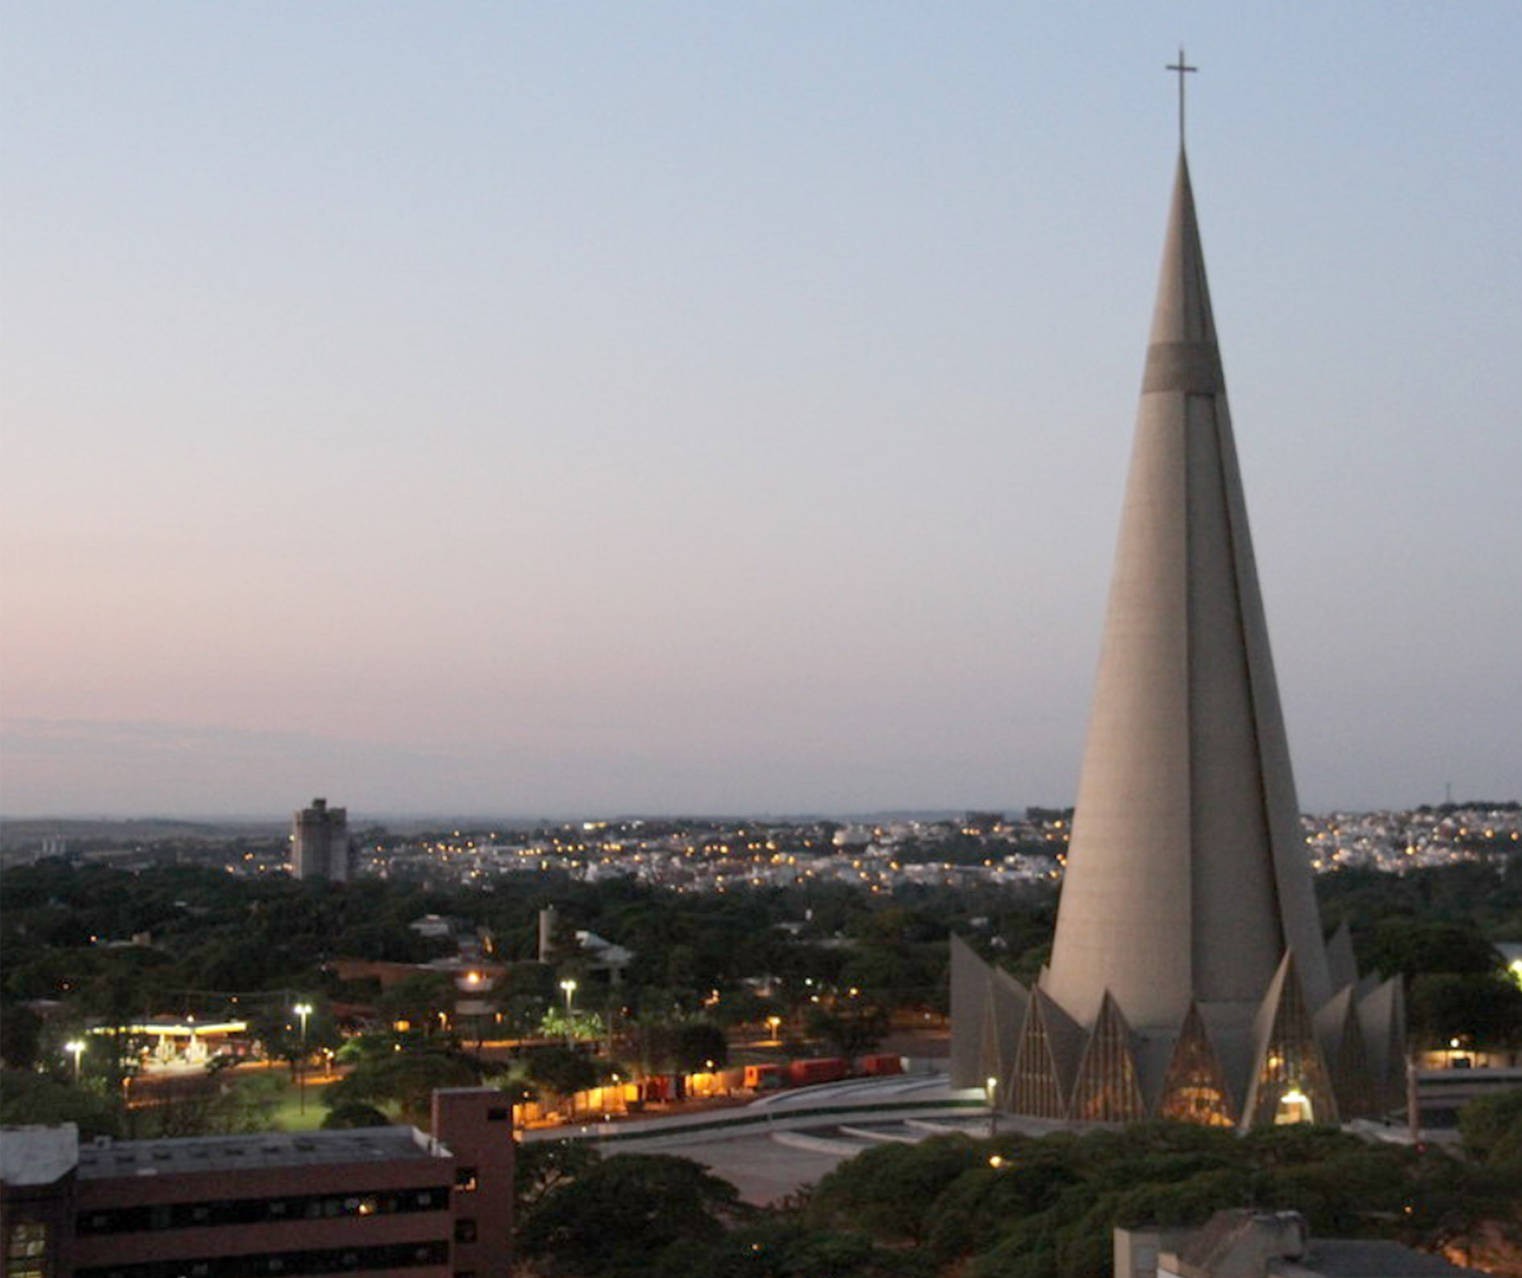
x=303, y=1010
x=774, y=1023
x=569, y=987
x=993, y=1109
x=77, y=1047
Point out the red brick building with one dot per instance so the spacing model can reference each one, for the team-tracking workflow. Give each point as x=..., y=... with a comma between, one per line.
x=379, y=1201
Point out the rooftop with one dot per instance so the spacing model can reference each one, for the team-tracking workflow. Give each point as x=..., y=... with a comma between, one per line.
x=37, y=1155
x=1370, y=1258
x=107, y=1158
x=1243, y=1243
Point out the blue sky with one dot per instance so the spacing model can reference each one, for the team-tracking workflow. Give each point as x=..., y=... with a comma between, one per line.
x=536, y=408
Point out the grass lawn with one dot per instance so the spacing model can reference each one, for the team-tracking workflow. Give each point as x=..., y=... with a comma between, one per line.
x=287, y=1114
x=290, y=1117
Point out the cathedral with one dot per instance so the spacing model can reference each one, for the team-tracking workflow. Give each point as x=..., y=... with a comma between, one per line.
x=1189, y=977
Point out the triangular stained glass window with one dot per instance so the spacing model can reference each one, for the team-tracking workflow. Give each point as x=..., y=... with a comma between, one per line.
x=1108, y=1090
x=1194, y=1088
x=1292, y=1084
x=1034, y=1086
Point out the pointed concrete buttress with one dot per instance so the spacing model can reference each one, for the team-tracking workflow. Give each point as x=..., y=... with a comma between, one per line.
x=1187, y=877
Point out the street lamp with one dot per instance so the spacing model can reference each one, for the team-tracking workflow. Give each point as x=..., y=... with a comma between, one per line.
x=303, y=1010
x=569, y=986
x=77, y=1047
x=993, y=1108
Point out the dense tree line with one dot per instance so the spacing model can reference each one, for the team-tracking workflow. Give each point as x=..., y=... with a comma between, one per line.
x=1012, y=1206
x=1436, y=929
x=210, y=931
x=205, y=936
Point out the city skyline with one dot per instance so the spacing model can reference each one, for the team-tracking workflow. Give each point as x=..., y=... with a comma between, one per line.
x=597, y=411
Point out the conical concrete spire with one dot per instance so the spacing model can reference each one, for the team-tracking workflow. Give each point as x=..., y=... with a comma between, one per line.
x=1188, y=977
x=1186, y=877
x=1181, y=352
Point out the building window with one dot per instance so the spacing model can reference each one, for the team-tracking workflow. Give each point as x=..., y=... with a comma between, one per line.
x=465, y=1179
x=254, y=1211
x=26, y=1250
x=393, y=1256
x=465, y=1231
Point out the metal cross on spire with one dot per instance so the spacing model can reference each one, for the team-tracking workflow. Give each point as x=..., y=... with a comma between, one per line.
x=1182, y=68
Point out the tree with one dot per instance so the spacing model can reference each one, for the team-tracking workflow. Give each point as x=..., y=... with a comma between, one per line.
x=404, y=1079
x=892, y=1190
x=422, y=999
x=561, y=1070
x=975, y=1209
x=699, y=1045
x=587, y=1026
x=1045, y=1208
x=1405, y=945
x=541, y=1166
x=743, y=1006
x=20, y=1035
x=852, y=1026
x=620, y=1216
x=279, y=1030
x=1492, y=1130
x=786, y=1248
x=209, y=1103
x=355, y=1114
x=896, y=975
x=1478, y=1010
x=685, y=1046
x=26, y=1097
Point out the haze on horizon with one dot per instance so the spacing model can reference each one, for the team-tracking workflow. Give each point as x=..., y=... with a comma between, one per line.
x=680, y=408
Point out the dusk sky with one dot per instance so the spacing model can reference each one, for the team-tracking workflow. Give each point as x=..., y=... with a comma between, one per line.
x=596, y=408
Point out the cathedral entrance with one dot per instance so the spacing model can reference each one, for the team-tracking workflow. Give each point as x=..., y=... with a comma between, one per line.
x=1294, y=1107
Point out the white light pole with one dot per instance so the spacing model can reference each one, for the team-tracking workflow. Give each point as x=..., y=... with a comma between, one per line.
x=77, y=1047
x=993, y=1108
x=303, y=1010
x=569, y=986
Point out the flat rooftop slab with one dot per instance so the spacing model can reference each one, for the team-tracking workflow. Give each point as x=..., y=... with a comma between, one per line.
x=36, y=1155
x=266, y=1149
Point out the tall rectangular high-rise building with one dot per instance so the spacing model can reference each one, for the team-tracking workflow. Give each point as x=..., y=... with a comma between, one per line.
x=320, y=842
